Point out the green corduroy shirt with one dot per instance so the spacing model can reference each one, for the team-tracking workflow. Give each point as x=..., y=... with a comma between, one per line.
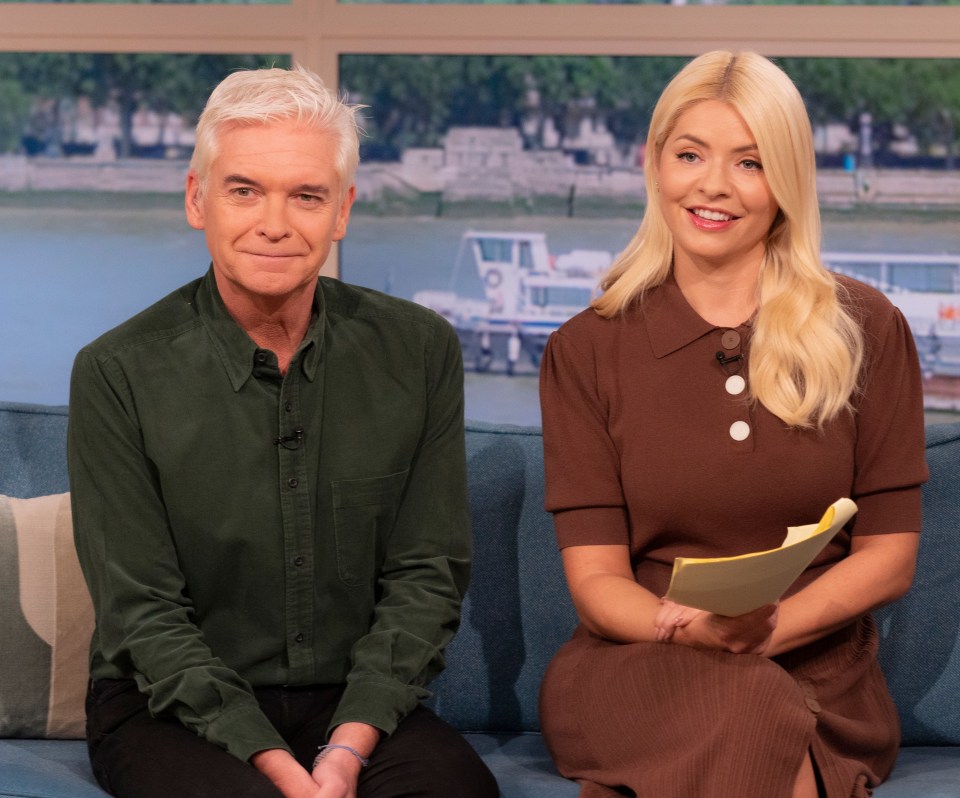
x=241, y=528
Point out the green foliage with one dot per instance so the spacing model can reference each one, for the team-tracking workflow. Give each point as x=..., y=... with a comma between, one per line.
x=129, y=81
x=922, y=95
x=414, y=99
x=14, y=109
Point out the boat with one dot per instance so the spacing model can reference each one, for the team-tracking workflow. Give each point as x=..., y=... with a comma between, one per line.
x=926, y=289
x=520, y=293
x=514, y=296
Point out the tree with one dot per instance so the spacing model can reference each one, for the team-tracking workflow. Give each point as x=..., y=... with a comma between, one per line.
x=127, y=81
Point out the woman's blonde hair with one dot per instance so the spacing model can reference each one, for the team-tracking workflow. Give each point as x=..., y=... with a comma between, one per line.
x=806, y=348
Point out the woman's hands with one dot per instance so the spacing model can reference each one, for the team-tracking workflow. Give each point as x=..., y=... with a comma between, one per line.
x=745, y=634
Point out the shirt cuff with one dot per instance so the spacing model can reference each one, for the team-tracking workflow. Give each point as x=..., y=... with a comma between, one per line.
x=243, y=732
x=381, y=703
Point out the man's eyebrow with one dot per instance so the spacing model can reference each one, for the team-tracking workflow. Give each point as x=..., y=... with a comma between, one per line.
x=702, y=143
x=312, y=188
x=240, y=179
x=304, y=188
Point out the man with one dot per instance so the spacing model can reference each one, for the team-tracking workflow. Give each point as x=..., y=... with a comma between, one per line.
x=269, y=497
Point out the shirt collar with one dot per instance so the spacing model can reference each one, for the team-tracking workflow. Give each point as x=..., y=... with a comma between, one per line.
x=237, y=350
x=671, y=322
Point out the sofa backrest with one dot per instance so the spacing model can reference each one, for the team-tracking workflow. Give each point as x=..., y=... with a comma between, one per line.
x=920, y=634
x=518, y=611
x=33, y=449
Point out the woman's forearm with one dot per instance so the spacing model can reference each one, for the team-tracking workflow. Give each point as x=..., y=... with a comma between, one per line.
x=878, y=570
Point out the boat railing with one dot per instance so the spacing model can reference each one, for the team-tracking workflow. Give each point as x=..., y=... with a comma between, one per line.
x=879, y=269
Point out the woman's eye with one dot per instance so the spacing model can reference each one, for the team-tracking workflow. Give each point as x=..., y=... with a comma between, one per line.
x=753, y=165
x=688, y=157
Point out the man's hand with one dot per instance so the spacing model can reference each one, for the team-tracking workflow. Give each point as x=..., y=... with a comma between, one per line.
x=286, y=774
x=338, y=770
x=337, y=774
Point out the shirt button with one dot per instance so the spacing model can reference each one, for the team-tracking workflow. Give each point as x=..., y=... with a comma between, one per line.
x=812, y=704
x=261, y=357
x=298, y=561
x=298, y=638
x=739, y=430
x=730, y=339
x=735, y=384
x=293, y=482
x=288, y=406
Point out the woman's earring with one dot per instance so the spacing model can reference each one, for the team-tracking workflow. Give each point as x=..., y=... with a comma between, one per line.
x=658, y=185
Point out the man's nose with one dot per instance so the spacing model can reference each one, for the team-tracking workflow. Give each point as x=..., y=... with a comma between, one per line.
x=274, y=223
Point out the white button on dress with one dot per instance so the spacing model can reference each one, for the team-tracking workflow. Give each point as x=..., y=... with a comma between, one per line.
x=735, y=384
x=739, y=430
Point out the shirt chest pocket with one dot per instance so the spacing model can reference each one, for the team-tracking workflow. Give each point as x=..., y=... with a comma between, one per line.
x=364, y=512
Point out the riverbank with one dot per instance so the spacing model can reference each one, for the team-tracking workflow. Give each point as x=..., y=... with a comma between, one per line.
x=390, y=188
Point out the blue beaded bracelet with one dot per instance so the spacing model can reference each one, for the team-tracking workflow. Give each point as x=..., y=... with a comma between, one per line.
x=325, y=749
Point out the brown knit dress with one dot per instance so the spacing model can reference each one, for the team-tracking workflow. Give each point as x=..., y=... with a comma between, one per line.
x=651, y=442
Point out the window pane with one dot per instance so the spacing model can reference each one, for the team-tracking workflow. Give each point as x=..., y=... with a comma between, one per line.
x=93, y=153
x=495, y=190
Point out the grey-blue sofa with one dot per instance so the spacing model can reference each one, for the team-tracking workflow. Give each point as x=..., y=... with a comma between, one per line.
x=518, y=612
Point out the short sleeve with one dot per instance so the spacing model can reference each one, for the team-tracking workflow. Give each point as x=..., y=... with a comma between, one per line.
x=582, y=465
x=890, y=455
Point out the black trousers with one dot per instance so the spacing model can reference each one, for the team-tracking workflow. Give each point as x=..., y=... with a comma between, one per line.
x=135, y=755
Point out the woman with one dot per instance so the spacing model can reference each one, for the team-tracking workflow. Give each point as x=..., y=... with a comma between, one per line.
x=726, y=386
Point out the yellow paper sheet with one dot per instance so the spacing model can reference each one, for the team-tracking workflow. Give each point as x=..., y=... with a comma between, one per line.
x=736, y=585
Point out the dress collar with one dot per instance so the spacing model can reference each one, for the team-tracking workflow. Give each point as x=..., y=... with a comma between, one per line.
x=670, y=320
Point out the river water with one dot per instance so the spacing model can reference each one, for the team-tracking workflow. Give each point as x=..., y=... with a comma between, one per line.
x=67, y=275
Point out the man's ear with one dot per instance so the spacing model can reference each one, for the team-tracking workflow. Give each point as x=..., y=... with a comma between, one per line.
x=192, y=203
x=343, y=213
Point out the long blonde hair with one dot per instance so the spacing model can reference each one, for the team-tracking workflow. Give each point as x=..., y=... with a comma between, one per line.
x=806, y=348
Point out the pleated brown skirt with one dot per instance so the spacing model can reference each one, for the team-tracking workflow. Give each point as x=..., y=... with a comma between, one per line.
x=660, y=720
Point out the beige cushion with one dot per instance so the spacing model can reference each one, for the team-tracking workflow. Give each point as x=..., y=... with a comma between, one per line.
x=46, y=620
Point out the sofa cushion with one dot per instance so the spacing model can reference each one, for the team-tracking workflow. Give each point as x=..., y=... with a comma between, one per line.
x=46, y=769
x=924, y=772
x=45, y=623
x=522, y=766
